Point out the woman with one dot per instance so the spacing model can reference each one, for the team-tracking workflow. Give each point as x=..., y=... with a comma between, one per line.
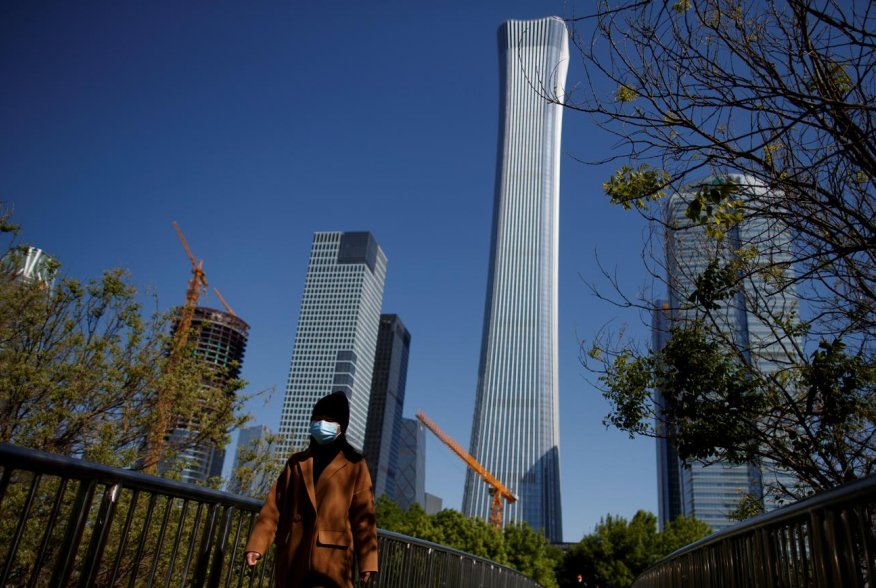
x=320, y=511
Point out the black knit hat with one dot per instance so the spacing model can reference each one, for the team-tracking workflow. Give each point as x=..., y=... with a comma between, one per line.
x=334, y=406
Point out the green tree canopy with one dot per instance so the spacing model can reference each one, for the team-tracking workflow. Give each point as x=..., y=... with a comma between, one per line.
x=80, y=372
x=756, y=122
x=619, y=550
x=517, y=545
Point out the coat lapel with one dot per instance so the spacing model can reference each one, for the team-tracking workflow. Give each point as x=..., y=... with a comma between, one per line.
x=307, y=476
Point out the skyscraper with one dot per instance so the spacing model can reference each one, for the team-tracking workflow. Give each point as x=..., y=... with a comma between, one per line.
x=337, y=333
x=711, y=492
x=515, y=431
x=221, y=343
x=668, y=465
x=387, y=402
x=411, y=481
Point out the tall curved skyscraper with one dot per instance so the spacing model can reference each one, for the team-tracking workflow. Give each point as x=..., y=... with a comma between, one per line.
x=515, y=433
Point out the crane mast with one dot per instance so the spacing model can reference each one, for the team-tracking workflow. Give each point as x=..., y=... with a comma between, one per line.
x=197, y=283
x=497, y=490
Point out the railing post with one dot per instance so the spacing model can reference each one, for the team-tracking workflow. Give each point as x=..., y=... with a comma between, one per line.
x=99, y=535
x=22, y=521
x=204, y=549
x=73, y=534
x=47, y=533
x=219, y=553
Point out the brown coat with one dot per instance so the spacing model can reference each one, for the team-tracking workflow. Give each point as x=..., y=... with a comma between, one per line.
x=319, y=529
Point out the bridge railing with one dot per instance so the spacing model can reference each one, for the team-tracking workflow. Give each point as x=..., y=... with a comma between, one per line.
x=826, y=541
x=66, y=522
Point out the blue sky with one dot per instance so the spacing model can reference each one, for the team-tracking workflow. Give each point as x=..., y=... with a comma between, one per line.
x=254, y=125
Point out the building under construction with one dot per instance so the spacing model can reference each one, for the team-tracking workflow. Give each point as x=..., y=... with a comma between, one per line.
x=220, y=340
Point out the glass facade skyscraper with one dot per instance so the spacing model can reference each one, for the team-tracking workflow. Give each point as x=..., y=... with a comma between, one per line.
x=382, y=436
x=711, y=492
x=515, y=431
x=411, y=482
x=336, y=335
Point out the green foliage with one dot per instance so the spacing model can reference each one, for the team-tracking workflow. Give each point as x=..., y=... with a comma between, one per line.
x=717, y=283
x=635, y=188
x=619, y=550
x=260, y=466
x=815, y=420
x=681, y=532
x=764, y=91
x=749, y=506
x=625, y=93
x=517, y=545
x=157, y=521
x=715, y=207
x=469, y=534
x=80, y=372
x=531, y=554
x=681, y=6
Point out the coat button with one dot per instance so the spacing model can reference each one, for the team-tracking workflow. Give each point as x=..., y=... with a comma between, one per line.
x=296, y=518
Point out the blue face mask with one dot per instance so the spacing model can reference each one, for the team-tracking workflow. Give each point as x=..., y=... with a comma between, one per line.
x=324, y=431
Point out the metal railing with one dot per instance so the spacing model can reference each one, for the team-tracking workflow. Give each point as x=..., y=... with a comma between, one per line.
x=826, y=541
x=66, y=522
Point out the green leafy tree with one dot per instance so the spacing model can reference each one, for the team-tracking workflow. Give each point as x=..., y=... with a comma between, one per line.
x=517, y=545
x=531, y=553
x=80, y=369
x=681, y=532
x=781, y=92
x=260, y=464
x=79, y=373
x=470, y=534
x=619, y=550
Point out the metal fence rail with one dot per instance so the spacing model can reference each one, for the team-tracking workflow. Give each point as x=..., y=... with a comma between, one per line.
x=827, y=541
x=66, y=522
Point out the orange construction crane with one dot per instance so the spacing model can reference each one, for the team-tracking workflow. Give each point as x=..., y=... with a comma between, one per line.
x=225, y=304
x=193, y=293
x=497, y=490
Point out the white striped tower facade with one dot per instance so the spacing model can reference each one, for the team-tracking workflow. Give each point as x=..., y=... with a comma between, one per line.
x=515, y=432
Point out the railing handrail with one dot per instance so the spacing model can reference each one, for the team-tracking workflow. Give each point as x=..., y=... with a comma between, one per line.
x=444, y=548
x=822, y=541
x=846, y=493
x=216, y=525
x=42, y=462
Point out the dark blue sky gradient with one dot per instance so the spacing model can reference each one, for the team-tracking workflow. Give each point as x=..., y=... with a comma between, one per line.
x=255, y=124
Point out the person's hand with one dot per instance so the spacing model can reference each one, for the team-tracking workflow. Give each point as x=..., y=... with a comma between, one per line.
x=365, y=576
x=252, y=557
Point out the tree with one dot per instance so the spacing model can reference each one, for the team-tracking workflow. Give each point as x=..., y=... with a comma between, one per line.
x=782, y=92
x=619, y=550
x=80, y=367
x=517, y=545
x=530, y=553
x=470, y=534
x=260, y=465
x=680, y=532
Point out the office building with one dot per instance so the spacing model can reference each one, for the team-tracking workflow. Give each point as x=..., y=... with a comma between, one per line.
x=515, y=431
x=411, y=479
x=434, y=504
x=668, y=464
x=221, y=342
x=711, y=492
x=382, y=435
x=336, y=335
